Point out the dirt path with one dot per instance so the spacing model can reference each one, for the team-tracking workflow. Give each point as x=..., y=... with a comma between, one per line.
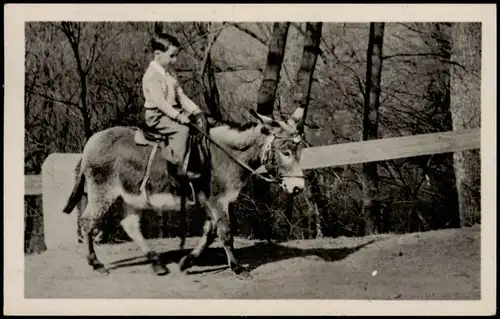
x=432, y=265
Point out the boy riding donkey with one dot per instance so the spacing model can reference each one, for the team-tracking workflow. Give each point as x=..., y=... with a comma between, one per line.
x=168, y=110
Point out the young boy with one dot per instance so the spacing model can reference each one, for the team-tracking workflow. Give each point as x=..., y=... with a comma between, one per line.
x=167, y=108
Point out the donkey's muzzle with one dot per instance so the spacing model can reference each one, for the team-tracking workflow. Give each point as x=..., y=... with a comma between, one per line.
x=293, y=185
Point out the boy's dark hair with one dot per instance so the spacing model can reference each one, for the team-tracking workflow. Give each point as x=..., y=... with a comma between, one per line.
x=161, y=41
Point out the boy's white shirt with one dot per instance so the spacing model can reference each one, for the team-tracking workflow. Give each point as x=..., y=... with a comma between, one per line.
x=160, y=91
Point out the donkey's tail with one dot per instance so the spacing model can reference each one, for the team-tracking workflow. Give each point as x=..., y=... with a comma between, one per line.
x=78, y=189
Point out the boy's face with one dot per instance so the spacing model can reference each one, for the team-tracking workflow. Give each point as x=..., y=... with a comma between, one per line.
x=165, y=58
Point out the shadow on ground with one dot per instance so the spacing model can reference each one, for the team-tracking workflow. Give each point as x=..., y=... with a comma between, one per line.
x=255, y=256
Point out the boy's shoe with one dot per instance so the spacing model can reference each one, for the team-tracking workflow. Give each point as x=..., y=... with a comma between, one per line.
x=193, y=175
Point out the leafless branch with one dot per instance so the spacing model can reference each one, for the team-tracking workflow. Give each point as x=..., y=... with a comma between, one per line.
x=93, y=49
x=250, y=33
x=190, y=44
x=207, y=52
x=204, y=35
x=400, y=55
x=424, y=175
x=34, y=142
x=52, y=99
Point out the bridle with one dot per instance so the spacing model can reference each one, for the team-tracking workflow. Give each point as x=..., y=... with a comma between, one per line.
x=267, y=158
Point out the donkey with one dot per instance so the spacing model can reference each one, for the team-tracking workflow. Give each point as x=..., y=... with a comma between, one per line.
x=113, y=166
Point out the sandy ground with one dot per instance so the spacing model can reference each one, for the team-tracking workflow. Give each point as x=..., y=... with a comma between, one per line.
x=432, y=265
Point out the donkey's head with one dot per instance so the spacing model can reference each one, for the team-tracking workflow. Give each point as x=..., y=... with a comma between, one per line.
x=280, y=153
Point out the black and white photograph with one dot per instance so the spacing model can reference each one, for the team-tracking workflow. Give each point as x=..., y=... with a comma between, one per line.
x=204, y=159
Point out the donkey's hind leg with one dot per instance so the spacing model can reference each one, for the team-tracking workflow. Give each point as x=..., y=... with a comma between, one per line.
x=98, y=205
x=131, y=225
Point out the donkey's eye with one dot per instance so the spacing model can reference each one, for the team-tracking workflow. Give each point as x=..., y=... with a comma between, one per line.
x=287, y=153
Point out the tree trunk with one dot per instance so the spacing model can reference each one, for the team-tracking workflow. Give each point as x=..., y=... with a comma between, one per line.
x=261, y=190
x=34, y=240
x=439, y=92
x=371, y=205
x=210, y=91
x=276, y=53
x=84, y=106
x=305, y=75
x=302, y=94
x=466, y=113
x=319, y=203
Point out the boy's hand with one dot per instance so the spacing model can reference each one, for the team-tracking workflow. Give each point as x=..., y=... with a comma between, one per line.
x=199, y=120
x=183, y=119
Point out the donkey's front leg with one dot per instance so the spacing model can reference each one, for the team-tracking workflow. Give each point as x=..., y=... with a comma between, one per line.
x=131, y=225
x=224, y=233
x=223, y=224
x=207, y=237
x=206, y=240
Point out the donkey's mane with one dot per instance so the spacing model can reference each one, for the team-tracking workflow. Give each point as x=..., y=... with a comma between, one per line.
x=240, y=127
x=235, y=135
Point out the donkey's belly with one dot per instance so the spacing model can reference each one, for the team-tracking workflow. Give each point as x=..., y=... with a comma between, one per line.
x=158, y=201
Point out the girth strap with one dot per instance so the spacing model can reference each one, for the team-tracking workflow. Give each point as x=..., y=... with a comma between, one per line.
x=187, y=157
x=148, y=171
x=185, y=165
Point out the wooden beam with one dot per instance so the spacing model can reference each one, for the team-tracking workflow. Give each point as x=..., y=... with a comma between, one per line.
x=390, y=148
x=32, y=184
x=359, y=152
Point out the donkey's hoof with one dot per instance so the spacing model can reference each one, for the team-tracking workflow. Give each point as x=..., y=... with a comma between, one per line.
x=245, y=274
x=100, y=269
x=186, y=262
x=160, y=270
x=240, y=270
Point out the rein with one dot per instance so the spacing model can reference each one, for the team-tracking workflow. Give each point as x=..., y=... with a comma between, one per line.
x=245, y=166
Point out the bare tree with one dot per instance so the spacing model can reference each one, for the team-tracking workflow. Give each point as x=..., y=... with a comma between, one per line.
x=310, y=54
x=301, y=98
x=73, y=32
x=439, y=167
x=207, y=73
x=371, y=205
x=466, y=113
x=431, y=113
x=261, y=191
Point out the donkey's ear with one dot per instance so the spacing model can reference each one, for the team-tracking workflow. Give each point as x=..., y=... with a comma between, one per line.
x=297, y=118
x=211, y=121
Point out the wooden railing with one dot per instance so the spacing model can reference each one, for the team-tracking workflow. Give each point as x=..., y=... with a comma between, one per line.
x=360, y=152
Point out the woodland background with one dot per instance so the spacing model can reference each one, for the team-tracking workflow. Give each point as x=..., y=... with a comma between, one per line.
x=359, y=81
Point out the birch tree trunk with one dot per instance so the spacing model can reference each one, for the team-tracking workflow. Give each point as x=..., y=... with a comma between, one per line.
x=302, y=95
x=307, y=65
x=371, y=206
x=266, y=96
x=276, y=52
x=439, y=92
